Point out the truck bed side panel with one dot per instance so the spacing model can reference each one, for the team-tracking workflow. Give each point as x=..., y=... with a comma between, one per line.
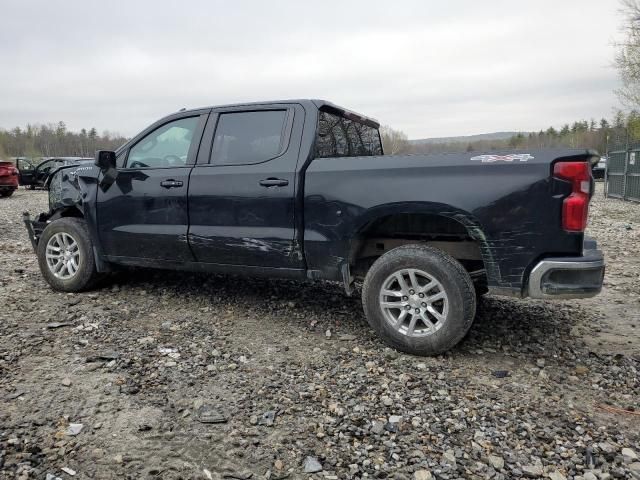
x=512, y=209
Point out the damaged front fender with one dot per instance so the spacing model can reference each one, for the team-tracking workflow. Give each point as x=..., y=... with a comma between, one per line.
x=71, y=186
x=72, y=193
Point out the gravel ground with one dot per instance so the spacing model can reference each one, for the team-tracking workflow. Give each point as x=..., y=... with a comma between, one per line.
x=172, y=375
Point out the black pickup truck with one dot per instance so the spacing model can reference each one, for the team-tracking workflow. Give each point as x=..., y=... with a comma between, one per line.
x=301, y=189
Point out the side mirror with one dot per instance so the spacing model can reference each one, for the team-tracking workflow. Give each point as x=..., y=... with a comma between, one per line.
x=105, y=160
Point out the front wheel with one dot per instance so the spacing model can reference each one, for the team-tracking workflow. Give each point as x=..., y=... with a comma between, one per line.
x=65, y=255
x=419, y=299
x=6, y=193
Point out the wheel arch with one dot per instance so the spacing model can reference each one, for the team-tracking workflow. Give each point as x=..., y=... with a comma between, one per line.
x=75, y=211
x=435, y=222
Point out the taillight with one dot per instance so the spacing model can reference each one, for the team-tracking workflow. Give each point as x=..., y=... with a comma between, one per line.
x=575, y=207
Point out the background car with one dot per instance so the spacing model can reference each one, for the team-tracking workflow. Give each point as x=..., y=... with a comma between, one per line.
x=33, y=176
x=600, y=168
x=8, y=179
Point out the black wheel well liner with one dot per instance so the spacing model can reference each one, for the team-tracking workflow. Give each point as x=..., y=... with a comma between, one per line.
x=67, y=211
x=438, y=228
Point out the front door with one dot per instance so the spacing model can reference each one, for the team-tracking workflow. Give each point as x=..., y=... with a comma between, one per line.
x=242, y=199
x=25, y=172
x=143, y=214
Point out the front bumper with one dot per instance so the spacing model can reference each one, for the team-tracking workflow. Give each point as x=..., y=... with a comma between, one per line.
x=34, y=228
x=569, y=277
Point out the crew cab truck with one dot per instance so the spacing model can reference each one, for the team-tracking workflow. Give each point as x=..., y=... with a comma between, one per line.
x=301, y=189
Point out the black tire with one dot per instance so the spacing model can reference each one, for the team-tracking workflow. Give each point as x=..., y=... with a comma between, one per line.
x=481, y=290
x=86, y=276
x=6, y=193
x=454, y=280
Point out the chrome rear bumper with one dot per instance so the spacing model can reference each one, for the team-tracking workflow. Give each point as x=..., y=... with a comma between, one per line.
x=568, y=277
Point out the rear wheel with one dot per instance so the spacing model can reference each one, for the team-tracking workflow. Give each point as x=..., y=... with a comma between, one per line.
x=65, y=256
x=419, y=299
x=6, y=193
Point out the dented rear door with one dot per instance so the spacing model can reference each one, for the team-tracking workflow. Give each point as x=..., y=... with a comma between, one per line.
x=242, y=191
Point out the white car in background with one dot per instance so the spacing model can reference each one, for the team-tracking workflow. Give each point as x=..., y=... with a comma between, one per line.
x=600, y=168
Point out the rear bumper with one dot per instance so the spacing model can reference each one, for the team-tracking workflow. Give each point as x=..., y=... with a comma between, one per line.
x=568, y=277
x=9, y=181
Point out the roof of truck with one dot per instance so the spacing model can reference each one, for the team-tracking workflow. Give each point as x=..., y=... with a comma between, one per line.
x=313, y=103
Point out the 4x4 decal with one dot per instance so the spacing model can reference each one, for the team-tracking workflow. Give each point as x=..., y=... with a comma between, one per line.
x=521, y=157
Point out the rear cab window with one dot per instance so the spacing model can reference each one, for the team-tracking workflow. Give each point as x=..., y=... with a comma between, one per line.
x=338, y=136
x=249, y=137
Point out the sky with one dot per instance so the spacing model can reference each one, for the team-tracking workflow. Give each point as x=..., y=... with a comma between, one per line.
x=428, y=68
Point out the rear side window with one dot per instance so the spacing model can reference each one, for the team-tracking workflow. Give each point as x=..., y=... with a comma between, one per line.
x=340, y=137
x=248, y=137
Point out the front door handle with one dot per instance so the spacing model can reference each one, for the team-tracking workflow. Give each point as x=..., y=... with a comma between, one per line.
x=274, y=182
x=171, y=183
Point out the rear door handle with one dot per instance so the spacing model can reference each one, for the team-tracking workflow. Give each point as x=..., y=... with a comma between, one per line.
x=274, y=182
x=171, y=183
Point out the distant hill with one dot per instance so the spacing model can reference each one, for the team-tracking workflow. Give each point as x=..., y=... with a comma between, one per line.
x=467, y=138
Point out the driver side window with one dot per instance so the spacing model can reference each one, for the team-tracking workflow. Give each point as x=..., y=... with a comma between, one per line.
x=166, y=146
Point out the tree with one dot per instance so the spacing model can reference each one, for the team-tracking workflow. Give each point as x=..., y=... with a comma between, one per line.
x=633, y=124
x=61, y=129
x=627, y=59
x=619, y=119
x=517, y=141
x=394, y=141
x=55, y=140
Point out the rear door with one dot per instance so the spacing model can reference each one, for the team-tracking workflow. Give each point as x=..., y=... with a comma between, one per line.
x=143, y=214
x=242, y=191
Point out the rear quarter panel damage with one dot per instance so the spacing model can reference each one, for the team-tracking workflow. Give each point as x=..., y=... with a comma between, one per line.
x=512, y=209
